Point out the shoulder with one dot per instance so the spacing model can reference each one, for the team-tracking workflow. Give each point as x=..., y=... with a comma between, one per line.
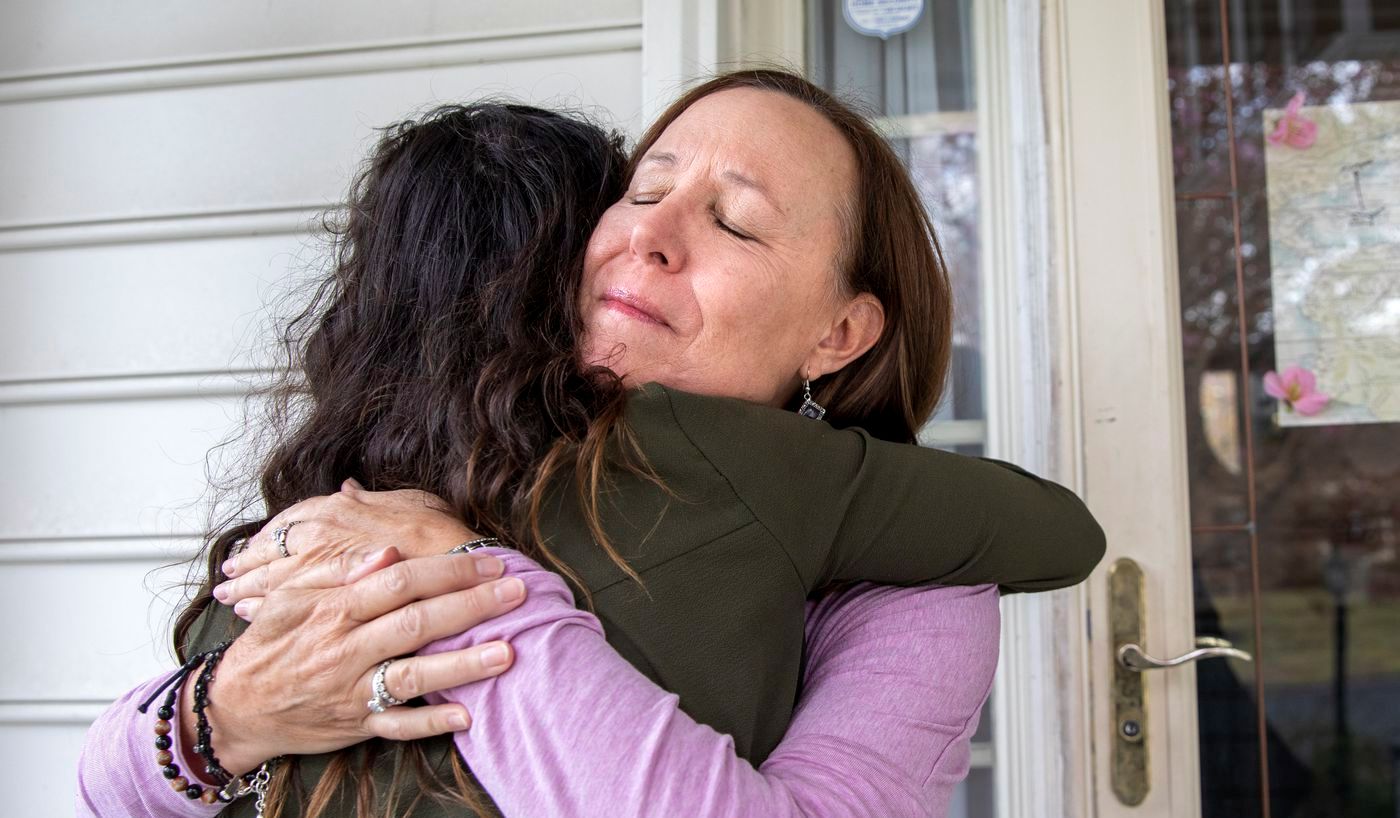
x=732, y=432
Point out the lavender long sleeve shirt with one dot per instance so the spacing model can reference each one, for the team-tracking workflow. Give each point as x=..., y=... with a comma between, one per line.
x=895, y=682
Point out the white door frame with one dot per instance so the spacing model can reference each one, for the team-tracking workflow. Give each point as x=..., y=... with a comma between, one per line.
x=1041, y=700
x=1115, y=227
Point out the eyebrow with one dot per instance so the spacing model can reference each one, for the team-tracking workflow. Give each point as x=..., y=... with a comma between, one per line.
x=669, y=160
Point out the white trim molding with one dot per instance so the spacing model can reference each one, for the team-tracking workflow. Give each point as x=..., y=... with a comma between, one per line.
x=1043, y=758
x=395, y=55
x=267, y=221
x=159, y=386
x=130, y=548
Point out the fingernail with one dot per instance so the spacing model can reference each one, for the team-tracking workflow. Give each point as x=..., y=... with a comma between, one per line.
x=221, y=591
x=241, y=608
x=228, y=566
x=371, y=557
x=509, y=590
x=495, y=656
x=459, y=721
x=490, y=566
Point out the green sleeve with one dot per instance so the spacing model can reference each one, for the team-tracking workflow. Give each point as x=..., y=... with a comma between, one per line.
x=847, y=506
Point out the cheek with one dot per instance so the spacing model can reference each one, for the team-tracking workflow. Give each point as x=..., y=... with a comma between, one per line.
x=757, y=314
x=609, y=238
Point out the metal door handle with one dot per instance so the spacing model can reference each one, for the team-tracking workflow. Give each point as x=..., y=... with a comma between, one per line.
x=1129, y=766
x=1133, y=657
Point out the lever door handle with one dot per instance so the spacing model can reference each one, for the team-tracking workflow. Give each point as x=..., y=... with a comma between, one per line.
x=1127, y=636
x=1133, y=657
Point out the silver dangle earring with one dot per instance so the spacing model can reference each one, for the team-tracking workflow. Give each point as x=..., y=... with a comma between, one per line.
x=810, y=408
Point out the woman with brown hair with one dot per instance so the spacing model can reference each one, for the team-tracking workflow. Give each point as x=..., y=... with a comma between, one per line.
x=768, y=238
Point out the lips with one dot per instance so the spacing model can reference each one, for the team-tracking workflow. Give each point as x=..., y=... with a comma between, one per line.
x=628, y=303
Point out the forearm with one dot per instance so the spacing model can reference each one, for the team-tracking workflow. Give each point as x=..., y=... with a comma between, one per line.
x=573, y=729
x=117, y=771
x=933, y=651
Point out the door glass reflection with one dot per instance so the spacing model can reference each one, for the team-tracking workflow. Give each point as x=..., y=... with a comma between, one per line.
x=1288, y=224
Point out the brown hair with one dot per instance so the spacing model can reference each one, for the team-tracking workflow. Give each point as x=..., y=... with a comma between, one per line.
x=890, y=252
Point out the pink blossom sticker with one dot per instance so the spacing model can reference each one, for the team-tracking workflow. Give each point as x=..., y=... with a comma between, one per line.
x=1297, y=388
x=1294, y=129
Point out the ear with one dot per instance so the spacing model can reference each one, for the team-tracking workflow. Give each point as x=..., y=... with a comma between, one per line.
x=853, y=331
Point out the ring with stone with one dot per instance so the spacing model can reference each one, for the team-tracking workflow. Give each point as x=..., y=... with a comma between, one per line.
x=382, y=699
x=280, y=537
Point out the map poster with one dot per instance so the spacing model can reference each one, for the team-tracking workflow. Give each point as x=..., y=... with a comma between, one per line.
x=1334, y=241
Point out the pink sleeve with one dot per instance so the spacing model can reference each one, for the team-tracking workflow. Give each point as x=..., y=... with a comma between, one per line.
x=117, y=772
x=896, y=679
x=573, y=729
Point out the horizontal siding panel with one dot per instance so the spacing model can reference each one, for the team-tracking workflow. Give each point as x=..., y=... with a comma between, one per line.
x=71, y=35
x=109, y=469
x=166, y=307
x=79, y=654
x=39, y=767
x=274, y=145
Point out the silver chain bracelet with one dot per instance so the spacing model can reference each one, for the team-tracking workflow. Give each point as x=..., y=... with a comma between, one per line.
x=472, y=545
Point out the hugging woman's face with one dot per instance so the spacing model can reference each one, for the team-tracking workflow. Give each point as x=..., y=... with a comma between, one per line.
x=716, y=272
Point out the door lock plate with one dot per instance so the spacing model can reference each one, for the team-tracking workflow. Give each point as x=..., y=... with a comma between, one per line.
x=1129, y=770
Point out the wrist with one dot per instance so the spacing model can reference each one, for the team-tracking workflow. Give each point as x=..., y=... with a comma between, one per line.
x=237, y=754
x=441, y=536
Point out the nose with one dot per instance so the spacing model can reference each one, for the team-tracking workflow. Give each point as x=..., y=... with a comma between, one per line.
x=657, y=236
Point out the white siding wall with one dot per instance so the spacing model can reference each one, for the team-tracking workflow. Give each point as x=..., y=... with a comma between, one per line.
x=159, y=162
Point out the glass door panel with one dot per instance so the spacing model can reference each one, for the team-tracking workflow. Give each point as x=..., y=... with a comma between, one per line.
x=1286, y=156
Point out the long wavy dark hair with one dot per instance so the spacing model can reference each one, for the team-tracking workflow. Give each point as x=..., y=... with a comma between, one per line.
x=441, y=353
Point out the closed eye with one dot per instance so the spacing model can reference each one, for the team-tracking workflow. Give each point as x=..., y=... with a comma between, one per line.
x=726, y=227
x=731, y=231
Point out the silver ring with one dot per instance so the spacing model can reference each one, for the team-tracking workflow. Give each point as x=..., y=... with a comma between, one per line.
x=382, y=700
x=280, y=537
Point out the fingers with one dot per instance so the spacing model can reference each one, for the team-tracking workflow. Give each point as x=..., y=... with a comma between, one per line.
x=414, y=676
x=247, y=609
x=262, y=546
x=300, y=572
x=398, y=585
x=409, y=628
x=257, y=582
x=408, y=723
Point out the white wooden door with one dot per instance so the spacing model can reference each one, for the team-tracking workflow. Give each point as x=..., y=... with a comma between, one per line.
x=1229, y=177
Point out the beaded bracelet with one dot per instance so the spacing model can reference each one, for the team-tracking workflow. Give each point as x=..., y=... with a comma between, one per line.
x=204, y=746
x=255, y=782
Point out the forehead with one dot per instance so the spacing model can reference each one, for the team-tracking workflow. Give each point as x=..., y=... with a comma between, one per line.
x=782, y=143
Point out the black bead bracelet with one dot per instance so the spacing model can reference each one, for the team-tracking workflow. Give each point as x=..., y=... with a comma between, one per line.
x=204, y=745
